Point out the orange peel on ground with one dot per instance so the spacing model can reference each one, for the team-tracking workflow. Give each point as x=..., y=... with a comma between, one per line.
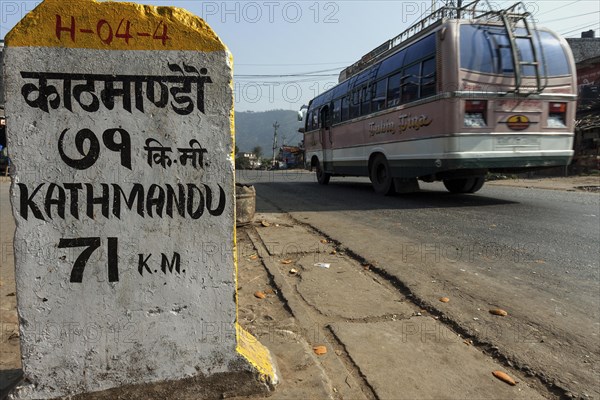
x=504, y=377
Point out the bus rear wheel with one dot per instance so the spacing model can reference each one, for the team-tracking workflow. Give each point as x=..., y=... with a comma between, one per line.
x=381, y=176
x=322, y=176
x=464, y=185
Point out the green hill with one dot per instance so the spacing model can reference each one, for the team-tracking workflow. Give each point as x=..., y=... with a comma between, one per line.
x=256, y=129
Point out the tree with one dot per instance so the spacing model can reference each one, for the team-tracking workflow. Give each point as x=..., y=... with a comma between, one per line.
x=242, y=163
x=237, y=150
x=257, y=150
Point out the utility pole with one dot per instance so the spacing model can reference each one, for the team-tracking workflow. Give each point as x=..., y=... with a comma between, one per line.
x=275, y=126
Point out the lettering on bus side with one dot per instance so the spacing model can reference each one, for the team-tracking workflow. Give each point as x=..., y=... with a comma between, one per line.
x=378, y=128
x=417, y=122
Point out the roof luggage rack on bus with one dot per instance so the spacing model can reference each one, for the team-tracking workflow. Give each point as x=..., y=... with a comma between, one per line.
x=476, y=10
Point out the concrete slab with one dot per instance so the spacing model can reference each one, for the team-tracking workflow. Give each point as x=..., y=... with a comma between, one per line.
x=345, y=291
x=288, y=240
x=420, y=358
x=344, y=381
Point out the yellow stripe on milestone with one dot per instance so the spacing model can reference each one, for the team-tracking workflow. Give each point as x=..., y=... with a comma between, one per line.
x=89, y=24
x=257, y=355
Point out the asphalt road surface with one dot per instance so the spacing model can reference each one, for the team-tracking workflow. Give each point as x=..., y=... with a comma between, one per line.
x=532, y=252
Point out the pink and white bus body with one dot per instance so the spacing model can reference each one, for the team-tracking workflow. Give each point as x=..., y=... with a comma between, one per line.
x=461, y=98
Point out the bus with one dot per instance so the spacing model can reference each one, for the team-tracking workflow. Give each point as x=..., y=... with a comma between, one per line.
x=463, y=92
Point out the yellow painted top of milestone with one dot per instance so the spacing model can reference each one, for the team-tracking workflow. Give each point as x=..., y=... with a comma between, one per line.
x=89, y=24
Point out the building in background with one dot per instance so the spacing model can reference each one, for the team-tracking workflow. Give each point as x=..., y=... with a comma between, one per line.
x=248, y=161
x=586, y=51
x=291, y=156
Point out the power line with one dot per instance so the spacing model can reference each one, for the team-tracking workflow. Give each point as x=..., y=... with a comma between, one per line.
x=573, y=16
x=557, y=8
x=270, y=83
x=580, y=28
x=297, y=74
x=284, y=76
x=345, y=63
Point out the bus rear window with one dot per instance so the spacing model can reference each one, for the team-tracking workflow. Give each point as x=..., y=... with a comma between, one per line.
x=486, y=49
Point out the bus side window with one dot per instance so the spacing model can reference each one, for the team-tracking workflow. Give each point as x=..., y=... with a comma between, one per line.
x=410, y=83
x=345, y=108
x=325, y=117
x=379, y=92
x=422, y=48
x=337, y=111
x=393, y=91
x=309, y=125
x=315, y=119
x=355, y=104
x=428, y=78
x=365, y=106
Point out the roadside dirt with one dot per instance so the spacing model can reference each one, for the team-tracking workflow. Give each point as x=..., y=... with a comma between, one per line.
x=571, y=183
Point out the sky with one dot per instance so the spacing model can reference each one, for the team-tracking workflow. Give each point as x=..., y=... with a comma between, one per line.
x=287, y=52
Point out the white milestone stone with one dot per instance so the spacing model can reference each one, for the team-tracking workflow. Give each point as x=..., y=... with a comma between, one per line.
x=123, y=195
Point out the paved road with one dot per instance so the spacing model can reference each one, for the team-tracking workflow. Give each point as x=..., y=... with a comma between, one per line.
x=531, y=252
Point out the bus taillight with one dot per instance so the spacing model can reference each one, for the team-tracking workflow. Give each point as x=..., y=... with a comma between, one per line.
x=557, y=115
x=475, y=113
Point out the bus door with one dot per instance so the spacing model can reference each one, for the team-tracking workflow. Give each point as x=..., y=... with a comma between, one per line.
x=326, y=138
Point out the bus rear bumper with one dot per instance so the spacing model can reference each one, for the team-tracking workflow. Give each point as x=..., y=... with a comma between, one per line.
x=490, y=152
x=475, y=165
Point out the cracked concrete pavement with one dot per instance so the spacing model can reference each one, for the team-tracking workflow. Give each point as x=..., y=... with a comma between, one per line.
x=378, y=340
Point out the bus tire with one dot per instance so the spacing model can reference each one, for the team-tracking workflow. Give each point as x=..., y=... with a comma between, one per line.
x=381, y=176
x=322, y=176
x=479, y=181
x=464, y=185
